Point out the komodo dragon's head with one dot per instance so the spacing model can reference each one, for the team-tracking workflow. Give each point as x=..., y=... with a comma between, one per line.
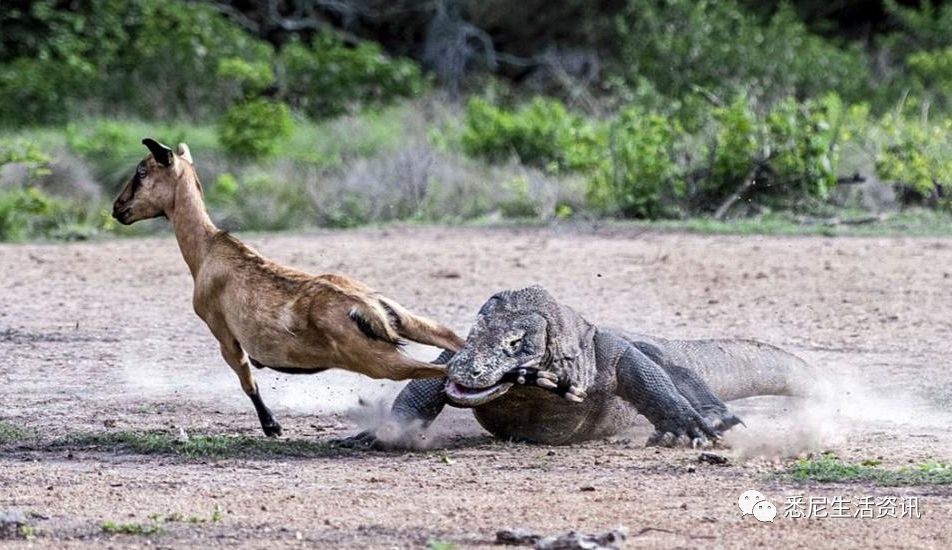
x=517, y=333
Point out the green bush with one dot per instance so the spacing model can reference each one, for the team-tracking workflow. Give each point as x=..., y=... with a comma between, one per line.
x=789, y=152
x=932, y=72
x=250, y=77
x=144, y=56
x=639, y=178
x=30, y=213
x=915, y=154
x=328, y=78
x=542, y=133
x=255, y=127
x=682, y=45
x=260, y=202
x=802, y=139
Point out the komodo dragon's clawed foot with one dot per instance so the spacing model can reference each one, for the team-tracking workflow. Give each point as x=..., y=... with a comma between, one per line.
x=670, y=439
x=688, y=429
x=529, y=376
x=726, y=421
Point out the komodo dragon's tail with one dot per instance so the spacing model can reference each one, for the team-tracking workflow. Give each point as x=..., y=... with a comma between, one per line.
x=735, y=369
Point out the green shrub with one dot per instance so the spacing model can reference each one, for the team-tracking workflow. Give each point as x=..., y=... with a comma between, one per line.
x=258, y=201
x=29, y=213
x=542, y=133
x=932, y=71
x=639, y=178
x=255, y=127
x=251, y=77
x=144, y=56
x=788, y=152
x=717, y=45
x=915, y=154
x=802, y=139
x=328, y=78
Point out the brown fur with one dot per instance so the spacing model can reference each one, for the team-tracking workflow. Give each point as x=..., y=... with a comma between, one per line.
x=280, y=316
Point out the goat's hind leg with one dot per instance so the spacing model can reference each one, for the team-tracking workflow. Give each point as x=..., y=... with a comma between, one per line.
x=235, y=357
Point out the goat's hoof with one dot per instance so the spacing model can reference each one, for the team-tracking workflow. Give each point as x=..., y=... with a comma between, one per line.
x=272, y=430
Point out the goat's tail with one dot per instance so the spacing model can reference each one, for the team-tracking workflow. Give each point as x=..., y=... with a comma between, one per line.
x=420, y=329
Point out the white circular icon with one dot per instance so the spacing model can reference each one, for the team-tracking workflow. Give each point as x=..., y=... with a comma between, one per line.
x=747, y=501
x=765, y=511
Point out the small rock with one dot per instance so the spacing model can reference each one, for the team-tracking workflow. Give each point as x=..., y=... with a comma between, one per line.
x=516, y=537
x=586, y=489
x=109, y=423
x=182, y=436
x=713, y=458
x=612, y=540
x=445, y=274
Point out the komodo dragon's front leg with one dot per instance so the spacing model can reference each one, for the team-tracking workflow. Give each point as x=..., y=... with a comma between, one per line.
x=650, y=388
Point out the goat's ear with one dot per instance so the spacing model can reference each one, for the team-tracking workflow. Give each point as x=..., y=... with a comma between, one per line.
x=185, y=153
x=161, y=153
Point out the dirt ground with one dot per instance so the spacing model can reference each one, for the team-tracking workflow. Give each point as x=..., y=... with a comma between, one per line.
x=100, y=338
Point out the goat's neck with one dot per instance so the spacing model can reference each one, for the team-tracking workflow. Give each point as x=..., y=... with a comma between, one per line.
x=193, y=227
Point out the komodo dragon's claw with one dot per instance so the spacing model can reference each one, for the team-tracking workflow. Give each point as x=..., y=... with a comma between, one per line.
x=529, y=376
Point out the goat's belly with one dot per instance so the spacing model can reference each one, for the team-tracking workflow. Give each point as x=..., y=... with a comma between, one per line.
x=540, y=417
x=282, y=352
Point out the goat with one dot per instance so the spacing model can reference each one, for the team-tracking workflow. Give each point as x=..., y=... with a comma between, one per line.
x=266, y=314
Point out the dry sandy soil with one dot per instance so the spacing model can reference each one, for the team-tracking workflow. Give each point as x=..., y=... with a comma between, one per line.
x=99, y=338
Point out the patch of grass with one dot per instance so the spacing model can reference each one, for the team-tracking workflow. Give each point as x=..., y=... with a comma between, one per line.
x=130, y=528
x=200, y=446
x=10, y=433
x=828, y=468
x=175, y=517
x=440, y=545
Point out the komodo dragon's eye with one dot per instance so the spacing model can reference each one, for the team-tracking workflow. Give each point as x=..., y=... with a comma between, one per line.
x=514, y=344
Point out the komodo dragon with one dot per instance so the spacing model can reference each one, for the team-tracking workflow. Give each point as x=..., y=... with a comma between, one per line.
x=534, y=370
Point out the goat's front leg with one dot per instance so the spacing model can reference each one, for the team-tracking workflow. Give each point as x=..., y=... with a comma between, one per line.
x=235, y=357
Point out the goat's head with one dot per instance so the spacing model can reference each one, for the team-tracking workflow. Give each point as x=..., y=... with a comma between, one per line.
x=150, y=192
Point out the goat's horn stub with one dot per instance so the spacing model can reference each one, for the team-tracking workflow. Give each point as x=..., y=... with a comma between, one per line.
x=185, y=153
x=162, y=153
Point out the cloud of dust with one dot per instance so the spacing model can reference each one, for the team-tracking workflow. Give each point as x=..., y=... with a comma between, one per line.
x=838, y=409
x=149, y=375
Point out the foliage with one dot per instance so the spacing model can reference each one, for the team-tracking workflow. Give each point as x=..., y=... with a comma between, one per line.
x=254, y=127
x=916, y=154
x=148, y=56
x=11, y=433
x=328, y=78
x=542, y=133
x=925, y=27
x=789, y=151
x=130, y=528
x=639, y=178
x=827, y=468
x=199, y=446
x=251, y=77
x=682, y=45
x=28, y=212
x=931, y=72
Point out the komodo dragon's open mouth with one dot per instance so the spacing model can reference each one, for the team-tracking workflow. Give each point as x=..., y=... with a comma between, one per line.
x=472, y=397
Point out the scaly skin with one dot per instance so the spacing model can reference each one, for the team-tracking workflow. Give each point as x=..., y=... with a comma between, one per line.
x=534, y=370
